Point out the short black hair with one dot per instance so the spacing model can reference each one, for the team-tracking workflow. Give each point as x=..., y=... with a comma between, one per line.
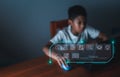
x=75, y=11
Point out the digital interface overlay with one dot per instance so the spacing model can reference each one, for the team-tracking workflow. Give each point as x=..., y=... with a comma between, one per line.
x=99, y=53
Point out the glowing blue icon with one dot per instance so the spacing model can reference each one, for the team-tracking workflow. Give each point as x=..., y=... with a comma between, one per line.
x=82, y=41
x=49, y=61
x=66, y=68
x=113, y=41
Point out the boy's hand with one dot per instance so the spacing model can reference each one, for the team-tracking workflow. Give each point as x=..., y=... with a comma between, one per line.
x=61, y=60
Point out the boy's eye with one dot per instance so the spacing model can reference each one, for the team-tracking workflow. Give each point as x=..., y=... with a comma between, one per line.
x=79, y=23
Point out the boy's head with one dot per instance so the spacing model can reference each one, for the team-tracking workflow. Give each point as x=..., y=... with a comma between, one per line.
x=77, y=18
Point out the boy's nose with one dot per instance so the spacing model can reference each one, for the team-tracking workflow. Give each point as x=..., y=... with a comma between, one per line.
x=82, y=23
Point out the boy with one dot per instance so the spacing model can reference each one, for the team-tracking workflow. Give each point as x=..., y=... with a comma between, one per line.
x=77, y=30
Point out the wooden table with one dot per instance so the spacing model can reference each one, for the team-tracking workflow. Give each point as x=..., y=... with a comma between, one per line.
x=39, y=67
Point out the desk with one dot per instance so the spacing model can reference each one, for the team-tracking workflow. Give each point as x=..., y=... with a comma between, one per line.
x=40, y=68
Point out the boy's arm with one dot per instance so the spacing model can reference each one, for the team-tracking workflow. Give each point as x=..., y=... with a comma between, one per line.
x=102, y=36
x=60, y=60
x=46, y=50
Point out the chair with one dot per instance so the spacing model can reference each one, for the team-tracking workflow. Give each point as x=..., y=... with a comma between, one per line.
x=56, y=25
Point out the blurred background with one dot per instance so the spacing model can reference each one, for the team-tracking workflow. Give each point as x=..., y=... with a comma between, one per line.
x=25, y=24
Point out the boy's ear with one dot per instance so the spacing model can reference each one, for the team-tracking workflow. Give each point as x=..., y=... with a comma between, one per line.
x=69, y=21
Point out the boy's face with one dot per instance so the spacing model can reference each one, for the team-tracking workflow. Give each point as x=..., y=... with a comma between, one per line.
x=78, y=24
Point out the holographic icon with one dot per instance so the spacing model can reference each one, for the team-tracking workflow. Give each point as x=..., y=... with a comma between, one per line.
x=61, y=47
x=65, y=47
x=108, y=47
x=75, y=55
x=99, y=47
x=57, y=47
x=72, y=47
x=81, y=47
x=90, y=47
x=66, y=55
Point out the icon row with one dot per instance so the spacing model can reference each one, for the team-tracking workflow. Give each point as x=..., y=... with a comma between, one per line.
x=91, y=47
